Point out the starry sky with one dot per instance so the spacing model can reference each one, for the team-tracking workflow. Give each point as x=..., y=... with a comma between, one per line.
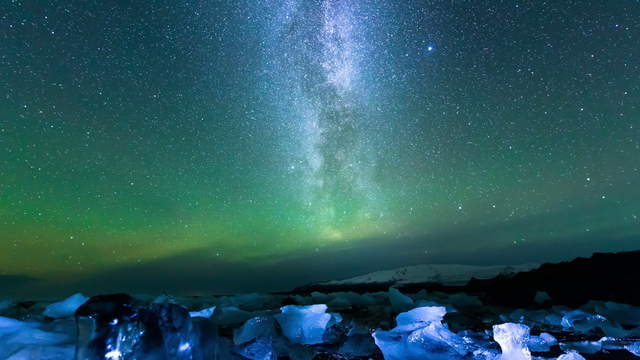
x=219, y=145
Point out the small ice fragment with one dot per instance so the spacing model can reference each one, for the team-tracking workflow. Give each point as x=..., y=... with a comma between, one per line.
x=231, y=315
x=421, y=335
x=66, y=307
x=512, y=339
x=304, y=324
x=205, y=313
x=261, y=349
x=358, y=346
x=634, y=348
x=257, y=327
x=583, y=323
x=571, y=355
x=541, y=343
x=586, y=347
x=621, y=313
x=64, y=352
x=420, y=317
x=399, y=301
x=23, y=340
x=5, y=305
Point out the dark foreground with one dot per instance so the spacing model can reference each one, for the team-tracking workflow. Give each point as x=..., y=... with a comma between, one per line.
x=576, y=310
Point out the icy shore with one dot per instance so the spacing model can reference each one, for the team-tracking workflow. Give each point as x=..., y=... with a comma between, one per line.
x=345, y=325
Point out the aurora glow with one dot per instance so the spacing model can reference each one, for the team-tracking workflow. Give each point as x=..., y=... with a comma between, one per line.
x=307, y=140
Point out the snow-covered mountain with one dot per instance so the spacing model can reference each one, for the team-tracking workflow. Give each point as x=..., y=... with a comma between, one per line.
x=446, y=274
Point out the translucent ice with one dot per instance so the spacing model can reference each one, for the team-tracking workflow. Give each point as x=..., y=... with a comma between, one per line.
x=304, y=324
x=231, y=315
x=257, y=327
x=358, y=345
x=261, y=349
x=66, y=307
x=204, y=313
x=541, y=343
x=571, y=355
x=344, y=300
x=586, y=347
x=420, y=317
x=584, y=323
x=44, y=353
x=399, y=301
x=116, y=327
x=5, y=305
x=634, y=348
x=620, y=313
x=21, y=338
x=420, y=335
x=512, y=339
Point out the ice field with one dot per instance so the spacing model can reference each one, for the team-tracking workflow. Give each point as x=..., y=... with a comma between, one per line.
x=343, y=325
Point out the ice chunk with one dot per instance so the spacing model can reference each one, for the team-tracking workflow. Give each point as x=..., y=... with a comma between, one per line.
x=300, y=352
x=5, y=305
x=398, y=300
x=512, y=339
x=8, y=325
x=420, y=335
x=44, y=353
x=231, y=315
x=357, y=346
x=21, y=338
x=204, y=313
x=117, y=327
x=621, y=313
x=344, y=300
x=541, y=343
x=394, y=345
x=165, y=299
x=584, y=323
x=320, y=298
x=609, y=343
x=304, y=324
x=432, y=342
x=66, y=307
x=634, y=348
x=571, y=355
x=261, y=349
x=336, y=318
x=587, y=347
x=257, y=327
x=334, y=332
x=420, y=317
x=581, y=321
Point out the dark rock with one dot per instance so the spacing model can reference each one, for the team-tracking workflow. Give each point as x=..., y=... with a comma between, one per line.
x=604, y=276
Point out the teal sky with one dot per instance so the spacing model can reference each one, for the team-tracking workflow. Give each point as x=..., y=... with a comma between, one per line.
x=293, y=137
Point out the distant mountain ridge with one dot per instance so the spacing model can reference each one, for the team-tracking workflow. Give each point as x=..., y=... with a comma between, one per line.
x=453, y=275
x=446, y=274
x=603, y=276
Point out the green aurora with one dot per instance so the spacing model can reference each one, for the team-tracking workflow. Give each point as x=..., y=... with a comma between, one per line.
x=262, y=134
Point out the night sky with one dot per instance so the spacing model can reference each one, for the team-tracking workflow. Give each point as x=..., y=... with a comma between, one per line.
x=240, y=145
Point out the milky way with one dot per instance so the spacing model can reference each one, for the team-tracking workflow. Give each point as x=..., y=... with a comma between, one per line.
x=321, y=63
